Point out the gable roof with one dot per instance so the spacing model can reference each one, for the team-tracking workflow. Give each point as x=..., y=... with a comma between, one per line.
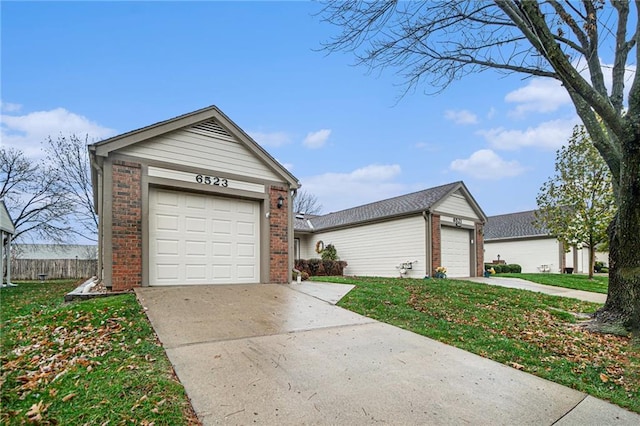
x=416, y=202
x=514, y=225
x=104, y=147
x=6, y=223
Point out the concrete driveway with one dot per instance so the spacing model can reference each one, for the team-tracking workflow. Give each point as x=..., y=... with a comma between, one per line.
x=278, y=354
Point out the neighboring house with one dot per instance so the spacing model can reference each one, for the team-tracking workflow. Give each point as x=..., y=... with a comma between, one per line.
x=55, y=251
x=515, y=238
x=191, y=200
x=440, y=226
x=7, y=231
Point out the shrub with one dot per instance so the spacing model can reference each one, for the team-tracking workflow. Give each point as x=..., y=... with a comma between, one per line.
x=330, y=253
x=319, y=267
x=502, y=268
x=598, y=265
x=604, y=270
x=515, y=268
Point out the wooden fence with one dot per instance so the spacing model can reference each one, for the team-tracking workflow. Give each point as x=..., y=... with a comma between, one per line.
x=31, y=269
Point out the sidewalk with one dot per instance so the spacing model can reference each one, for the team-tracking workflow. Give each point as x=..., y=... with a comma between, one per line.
x=587, y=296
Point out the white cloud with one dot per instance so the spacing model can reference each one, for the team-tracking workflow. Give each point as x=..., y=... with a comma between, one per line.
x=486, y=164
x=549, y=135
x=315, y=140
x=9, y=107
x=274, y=139
x=338, y=191
x=461, y=117
x=426, y=146
x=540, y=95
x=27, y=132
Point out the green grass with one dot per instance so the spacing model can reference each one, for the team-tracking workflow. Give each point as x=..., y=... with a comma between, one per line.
x=91, y=362
x=599, y=283
x=533, y=332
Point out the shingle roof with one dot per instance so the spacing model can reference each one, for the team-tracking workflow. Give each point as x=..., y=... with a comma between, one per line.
x=513, y=225
x=404, y=204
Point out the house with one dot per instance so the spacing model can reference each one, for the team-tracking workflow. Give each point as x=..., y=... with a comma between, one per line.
x=55, y=251
x=7, y=231
x=191, y=200
x=414, y=233
x=516, y=238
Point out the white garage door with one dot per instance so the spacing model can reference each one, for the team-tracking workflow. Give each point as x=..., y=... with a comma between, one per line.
x=456, y=251
x=202, y=239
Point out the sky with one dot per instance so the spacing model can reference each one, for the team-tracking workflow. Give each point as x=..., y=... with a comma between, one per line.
x=347, y=133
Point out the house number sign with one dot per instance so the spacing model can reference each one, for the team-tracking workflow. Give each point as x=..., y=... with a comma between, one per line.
x=212, y=180
x=457, y=221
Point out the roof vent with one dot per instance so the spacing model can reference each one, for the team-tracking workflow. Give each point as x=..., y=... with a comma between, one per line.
x=213, y=129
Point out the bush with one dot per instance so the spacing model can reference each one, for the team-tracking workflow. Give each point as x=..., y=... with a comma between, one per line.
x=502, y=268
x=604, y=270
x=329, y=253
x=597, y=266
x=319, y=267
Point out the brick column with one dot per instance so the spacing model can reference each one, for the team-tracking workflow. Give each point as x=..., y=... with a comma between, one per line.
x=126, y=227
x=279, y=237
x=436, y=244
x=479, y=250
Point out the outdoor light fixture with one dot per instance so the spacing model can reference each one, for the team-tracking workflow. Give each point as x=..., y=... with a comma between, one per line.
x=280, y=201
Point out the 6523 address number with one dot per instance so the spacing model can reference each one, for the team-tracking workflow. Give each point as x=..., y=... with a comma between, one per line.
x=212, y=180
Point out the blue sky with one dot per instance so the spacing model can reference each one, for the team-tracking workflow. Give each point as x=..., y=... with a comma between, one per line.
x=349, y=137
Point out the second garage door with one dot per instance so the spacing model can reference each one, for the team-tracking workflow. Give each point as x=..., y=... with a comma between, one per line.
x=456, y=251
x=202, y=239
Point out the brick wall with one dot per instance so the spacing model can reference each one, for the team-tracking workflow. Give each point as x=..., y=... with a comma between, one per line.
x=479, y=250
x=436, y=245
x=279, y=237
x=126, y=226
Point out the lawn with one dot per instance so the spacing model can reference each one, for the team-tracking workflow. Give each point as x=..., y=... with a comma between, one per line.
x=533, y=332
x=599, y=283
x=93, y=362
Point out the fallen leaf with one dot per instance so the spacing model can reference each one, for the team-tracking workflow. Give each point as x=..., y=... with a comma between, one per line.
x=68, y=397
x=517, y=366
x=604, y=378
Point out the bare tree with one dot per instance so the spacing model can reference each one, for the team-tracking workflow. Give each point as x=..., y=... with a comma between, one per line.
x=306, y=202
x=69, y=157
x=34, y=198
x=438, y=42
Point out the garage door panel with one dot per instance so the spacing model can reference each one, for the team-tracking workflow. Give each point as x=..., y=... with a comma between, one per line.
x=167, y=222
x=167, y=247
x=202, y=239
x=222, y=272
x=196, y=272
x=197, y=202
x=246, y=229
x=246, y=250
x=167, y=199
x=195, y=224
x=168, y=271
x=196, y=248
x=222, y=227
x=246, y=208
x=246, y=272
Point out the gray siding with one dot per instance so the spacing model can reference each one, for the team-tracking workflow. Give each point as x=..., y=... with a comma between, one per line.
x=376, y=249
x=457, y=205
x=190, y=147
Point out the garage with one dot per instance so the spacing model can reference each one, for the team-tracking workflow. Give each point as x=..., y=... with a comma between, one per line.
x=202, y=239
x=456, y=251
x=192, y=200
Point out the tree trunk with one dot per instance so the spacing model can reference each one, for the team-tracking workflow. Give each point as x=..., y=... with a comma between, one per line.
x=592, y=258
x=622, y=308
